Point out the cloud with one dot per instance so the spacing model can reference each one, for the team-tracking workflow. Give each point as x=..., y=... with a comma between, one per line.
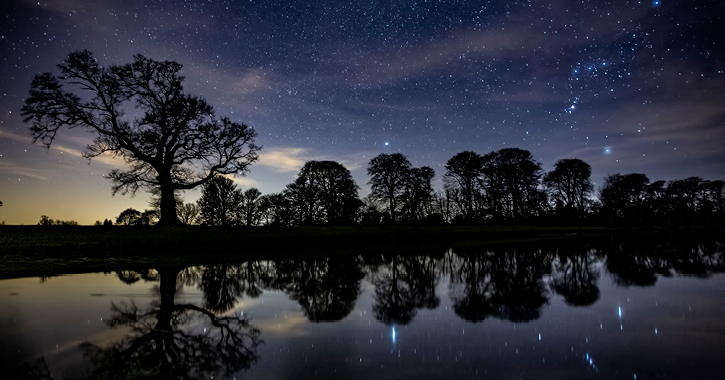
x=696, y=125
x=105, y=159
x=250, y=82
x=288, y=324
x=7, y=135
x=284, y=159
x=10, y=168
x=243, y=181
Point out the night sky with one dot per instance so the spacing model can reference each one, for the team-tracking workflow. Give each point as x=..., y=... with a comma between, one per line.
x=627, y=86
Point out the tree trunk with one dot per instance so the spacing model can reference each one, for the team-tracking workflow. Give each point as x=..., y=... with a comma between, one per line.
x=168, y=215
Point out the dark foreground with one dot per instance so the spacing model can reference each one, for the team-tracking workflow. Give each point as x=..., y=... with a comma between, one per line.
x=35, y=251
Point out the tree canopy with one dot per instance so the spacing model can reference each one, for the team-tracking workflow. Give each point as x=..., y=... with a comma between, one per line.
x=570, y=185
x=388, y=175
x=138, y=111
x=324, y=192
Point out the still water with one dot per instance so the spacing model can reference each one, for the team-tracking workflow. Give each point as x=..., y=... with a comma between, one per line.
x=609, y=309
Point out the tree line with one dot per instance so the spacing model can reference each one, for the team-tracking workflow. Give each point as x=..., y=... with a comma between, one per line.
x=502, y=187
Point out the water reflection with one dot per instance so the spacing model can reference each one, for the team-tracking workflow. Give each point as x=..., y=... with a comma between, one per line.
x=325, y=288
x=403, y=284
x=169, y=340
x=639, y=262
x=506, y=284
x=575, y=275
x=173, y=338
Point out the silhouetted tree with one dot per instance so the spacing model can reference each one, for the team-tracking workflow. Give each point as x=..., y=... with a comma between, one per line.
x=45, y=220
x=250, y=207
x=276, y=210
x=189, y=213
x=511, y=183
x=686, y=198
x=714, y=201
x=569, y=185
x=464, y=173
x=388, y=175
x=417, y=198
x=370, y=213
x=324, y=192
x=220, y=202
x=133, y=217
x=128, y=217
x=623, y=197
x=445, y=206
x=177, y=143
x=147, y=218
x=655, y=204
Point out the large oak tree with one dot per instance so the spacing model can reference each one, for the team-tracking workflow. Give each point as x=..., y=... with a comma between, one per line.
x=170, y=140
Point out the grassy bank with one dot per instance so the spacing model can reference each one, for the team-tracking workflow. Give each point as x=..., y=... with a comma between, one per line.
x=38, y=251
x=34, y=250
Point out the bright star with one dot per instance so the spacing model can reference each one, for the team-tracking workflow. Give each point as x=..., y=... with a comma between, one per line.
x=386, y=143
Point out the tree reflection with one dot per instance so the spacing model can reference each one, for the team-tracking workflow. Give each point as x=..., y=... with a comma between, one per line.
x=176, y=341
x=129, y=277
x=637, y=261
x=507, y=285
x=326, y=288
x=575, y=278
x=471, y=289
x=402, y=285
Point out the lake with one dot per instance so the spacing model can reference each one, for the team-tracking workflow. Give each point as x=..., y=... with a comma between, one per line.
x=609, y=308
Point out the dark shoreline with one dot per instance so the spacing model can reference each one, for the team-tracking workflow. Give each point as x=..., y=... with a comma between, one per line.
x=27, y=251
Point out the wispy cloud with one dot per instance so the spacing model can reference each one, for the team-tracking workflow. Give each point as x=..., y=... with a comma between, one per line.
x=7, y=135
x=243, y=181
x=284, y=159
x=16, y=169
x=291, y=324
x=250, y=82
x=105, y=159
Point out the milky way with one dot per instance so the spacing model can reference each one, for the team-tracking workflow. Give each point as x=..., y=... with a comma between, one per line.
x=627, y=86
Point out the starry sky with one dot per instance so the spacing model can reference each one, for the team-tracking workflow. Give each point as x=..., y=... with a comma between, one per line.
x=627, y=86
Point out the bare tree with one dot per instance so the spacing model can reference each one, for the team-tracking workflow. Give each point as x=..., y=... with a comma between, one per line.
x=175, y=143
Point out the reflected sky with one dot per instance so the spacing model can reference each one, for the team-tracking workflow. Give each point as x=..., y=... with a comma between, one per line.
x=406, y=319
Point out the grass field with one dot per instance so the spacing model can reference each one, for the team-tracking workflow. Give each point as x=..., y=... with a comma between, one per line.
x=35, y=250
